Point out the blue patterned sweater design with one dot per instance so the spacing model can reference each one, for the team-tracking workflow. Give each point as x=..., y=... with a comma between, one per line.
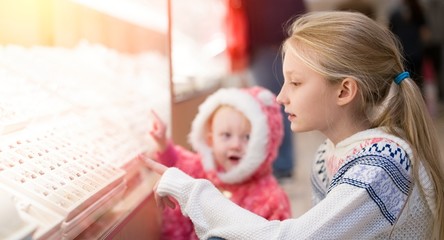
x=383, y=170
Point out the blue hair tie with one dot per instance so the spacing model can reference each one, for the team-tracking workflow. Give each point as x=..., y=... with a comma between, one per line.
x=401, y=77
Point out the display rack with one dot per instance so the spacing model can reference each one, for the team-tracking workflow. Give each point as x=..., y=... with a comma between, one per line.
x=73, y=123
x=78, y=80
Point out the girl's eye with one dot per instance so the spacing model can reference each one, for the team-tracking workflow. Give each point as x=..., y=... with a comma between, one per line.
x=226, y=135
x=292, y=82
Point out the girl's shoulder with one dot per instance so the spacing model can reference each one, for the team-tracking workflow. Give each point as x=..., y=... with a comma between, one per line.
x=369, y=147
x=384, y=169
x=385, y=151
x=383, y=155
x=379, y=148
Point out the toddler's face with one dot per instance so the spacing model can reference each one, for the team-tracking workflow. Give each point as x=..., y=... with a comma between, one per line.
x=228, y=137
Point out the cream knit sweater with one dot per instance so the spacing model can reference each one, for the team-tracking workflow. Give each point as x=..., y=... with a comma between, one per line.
x=361, y=192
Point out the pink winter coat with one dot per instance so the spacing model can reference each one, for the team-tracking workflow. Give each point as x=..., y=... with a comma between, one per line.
x=251, y=184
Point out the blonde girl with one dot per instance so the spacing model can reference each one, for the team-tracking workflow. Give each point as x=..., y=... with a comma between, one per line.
x=378, y=174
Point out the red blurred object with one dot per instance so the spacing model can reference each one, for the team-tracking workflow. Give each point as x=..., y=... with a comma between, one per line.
x=237, y=35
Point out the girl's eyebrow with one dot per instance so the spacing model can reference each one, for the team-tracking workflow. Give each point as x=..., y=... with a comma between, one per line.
x=288, y=73
x=292, y=74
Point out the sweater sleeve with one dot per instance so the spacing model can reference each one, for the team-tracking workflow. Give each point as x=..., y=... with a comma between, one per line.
x=335, y=217
x=217, y=217
x=272, y=205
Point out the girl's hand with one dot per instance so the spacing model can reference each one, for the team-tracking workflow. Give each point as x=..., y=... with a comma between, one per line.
x=158, y=132
x=161, y=201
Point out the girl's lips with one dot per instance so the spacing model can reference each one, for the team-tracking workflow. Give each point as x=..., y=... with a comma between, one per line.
x=291, y=117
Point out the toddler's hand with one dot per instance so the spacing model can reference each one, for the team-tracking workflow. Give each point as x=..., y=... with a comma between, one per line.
x=158, y=132
x=161, y=201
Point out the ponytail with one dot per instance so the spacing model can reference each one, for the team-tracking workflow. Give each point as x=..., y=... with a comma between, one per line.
x=406, y=109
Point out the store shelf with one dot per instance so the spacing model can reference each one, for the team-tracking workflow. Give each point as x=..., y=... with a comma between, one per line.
x=74, y=122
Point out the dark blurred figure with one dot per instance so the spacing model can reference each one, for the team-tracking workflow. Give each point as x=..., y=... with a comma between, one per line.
x=266, y=21
x=435, y=47
x=408, y=22
x=362, y=6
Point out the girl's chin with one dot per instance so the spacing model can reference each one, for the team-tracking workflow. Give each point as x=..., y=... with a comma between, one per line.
x=298, y=129
x=295, y=128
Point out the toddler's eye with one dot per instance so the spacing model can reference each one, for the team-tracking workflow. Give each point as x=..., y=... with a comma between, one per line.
x=226, y=135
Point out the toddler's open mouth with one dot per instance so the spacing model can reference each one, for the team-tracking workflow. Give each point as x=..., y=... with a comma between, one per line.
x=234, y=159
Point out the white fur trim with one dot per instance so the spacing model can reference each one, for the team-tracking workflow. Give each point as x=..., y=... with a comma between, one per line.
x=257, y=146
x=266, y=97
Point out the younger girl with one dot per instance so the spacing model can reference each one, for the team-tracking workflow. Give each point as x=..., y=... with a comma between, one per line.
x=236, y=135
x=378, y=174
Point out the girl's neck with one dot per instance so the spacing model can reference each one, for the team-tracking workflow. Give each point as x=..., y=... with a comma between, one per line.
x=345, y=129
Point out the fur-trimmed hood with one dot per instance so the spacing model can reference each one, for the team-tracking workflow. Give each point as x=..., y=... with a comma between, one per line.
x=261, y=109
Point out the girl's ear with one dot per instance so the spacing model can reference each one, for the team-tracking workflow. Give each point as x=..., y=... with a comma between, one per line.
x=348, y=89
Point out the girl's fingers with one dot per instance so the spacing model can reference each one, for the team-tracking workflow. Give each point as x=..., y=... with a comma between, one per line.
x=158, y=132
x=157, y=198
x=155, y=135
x=159, y=202
x=169, y=202
x=155, y=166
x=162, y=202
x=156, y=117
x=158, y=128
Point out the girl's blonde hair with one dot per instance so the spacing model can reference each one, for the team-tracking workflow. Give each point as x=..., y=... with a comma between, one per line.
x=340, y=44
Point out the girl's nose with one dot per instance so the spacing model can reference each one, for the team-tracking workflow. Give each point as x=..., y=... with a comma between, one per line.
x=280, y=98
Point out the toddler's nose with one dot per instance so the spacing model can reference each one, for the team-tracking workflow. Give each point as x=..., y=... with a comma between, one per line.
x=236, y=143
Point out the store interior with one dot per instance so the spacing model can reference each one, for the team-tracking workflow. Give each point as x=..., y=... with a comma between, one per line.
x=78, y=80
